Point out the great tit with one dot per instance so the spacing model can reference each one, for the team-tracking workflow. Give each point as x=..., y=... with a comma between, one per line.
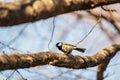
x=68, y=48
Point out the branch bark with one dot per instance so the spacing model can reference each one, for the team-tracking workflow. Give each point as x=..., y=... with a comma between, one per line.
x=33, y=10
x=16, y=60
x=101, y=68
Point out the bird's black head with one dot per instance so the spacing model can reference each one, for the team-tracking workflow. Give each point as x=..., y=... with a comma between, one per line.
x=59, y=45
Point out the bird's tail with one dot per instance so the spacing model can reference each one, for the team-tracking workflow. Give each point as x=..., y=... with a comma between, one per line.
x=80, y=49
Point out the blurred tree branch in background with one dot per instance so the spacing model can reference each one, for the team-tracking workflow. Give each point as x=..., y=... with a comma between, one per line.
x=95, y=15
x=25, y=11
x=111, y=17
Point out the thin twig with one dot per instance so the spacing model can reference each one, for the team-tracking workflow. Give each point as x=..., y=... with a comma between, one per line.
x=89, y=31
x=13, y=40
x=10, y=75
x=106, y=9
x=20, y=75
x=12, y=48
x=52, y=33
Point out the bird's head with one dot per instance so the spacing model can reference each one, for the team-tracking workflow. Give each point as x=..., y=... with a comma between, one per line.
x=59, y=44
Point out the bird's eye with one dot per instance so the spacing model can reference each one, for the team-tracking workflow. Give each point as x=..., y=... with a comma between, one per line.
x=60, y=44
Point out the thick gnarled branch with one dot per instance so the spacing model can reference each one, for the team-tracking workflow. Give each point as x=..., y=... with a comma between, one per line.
x=33, y=10
x=17, y=60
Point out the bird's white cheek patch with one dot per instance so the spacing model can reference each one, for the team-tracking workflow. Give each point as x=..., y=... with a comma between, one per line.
x=60, y=44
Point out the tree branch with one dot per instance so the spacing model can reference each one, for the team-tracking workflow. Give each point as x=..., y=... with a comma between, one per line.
x=16, y=60
x=95, y=15
x=101, y=68
x=113, y=19
x=32, y=10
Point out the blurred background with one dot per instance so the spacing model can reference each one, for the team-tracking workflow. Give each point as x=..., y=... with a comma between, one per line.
x=70, y=28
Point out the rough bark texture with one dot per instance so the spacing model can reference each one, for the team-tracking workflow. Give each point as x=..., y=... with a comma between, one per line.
x=17, y=60
x=101, y=68
x=33, y=10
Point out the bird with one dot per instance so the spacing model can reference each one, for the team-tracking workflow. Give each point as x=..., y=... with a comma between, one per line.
x=68, y=48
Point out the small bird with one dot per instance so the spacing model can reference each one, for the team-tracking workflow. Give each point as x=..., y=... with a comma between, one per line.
x=68, y=48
